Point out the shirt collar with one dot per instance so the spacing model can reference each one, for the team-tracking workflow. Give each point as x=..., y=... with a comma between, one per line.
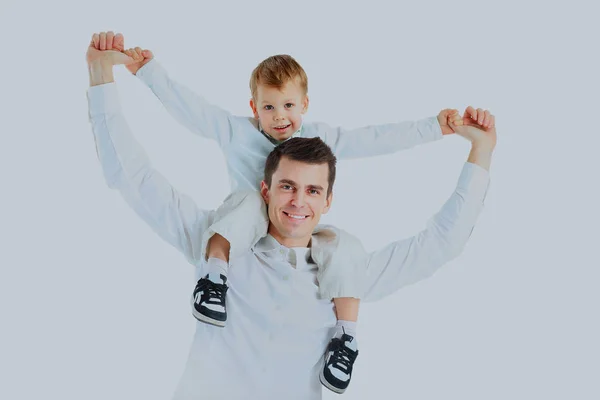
x=275, y=141
x=269, y=245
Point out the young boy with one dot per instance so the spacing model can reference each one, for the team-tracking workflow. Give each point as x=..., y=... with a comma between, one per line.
x=279, y=99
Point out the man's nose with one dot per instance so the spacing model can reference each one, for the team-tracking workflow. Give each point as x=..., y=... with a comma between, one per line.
x=298, y=199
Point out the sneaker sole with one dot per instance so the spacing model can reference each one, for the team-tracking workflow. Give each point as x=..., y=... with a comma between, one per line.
x=328, y=385
x=204, y=318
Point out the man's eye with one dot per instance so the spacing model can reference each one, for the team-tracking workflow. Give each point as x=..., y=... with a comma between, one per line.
x=268, y=107
x=289, y=105
x=286, y=187
x=314, y=191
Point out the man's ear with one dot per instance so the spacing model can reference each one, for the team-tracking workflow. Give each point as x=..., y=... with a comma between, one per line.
x=264, y=192
x=328, y=203
x=305, y=104
x=253, y=107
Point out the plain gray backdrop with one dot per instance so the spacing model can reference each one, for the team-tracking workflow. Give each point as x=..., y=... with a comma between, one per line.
x=94, y=305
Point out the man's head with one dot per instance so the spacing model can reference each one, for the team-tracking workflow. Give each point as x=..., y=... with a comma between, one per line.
x=279, y=89
x=297, y=187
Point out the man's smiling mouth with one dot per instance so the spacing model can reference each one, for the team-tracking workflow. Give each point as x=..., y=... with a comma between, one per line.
x=296, y=216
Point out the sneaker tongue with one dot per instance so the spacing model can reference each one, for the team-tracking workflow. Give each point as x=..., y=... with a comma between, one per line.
x=215, y=278
x=349, y=342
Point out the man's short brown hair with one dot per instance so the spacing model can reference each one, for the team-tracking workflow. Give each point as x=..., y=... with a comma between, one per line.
x=306, y=150
x=276, y=71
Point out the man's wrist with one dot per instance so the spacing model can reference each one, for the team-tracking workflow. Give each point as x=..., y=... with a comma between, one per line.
x=101, y=72
x=481, y=155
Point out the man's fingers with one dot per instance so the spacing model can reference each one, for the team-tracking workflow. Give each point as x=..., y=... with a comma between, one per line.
x=110, y=35
x=95, y=40
x=471, y=113
x=102, y=41
x=486, y=118
x=147, y=54
x=480, y=116
x=119, y=42
x=492, y=121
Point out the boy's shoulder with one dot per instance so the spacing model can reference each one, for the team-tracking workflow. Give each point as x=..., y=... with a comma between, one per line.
x=314, y=129
x=319, y=129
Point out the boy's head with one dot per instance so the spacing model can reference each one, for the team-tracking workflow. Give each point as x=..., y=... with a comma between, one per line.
x=279, y=89
x=297, y=188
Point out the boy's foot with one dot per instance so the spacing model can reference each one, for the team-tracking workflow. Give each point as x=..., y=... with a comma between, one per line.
x=208, y=300
x=339, y=359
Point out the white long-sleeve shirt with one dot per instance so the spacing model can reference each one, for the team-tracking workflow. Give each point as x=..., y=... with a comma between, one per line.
x=277, y=327
x=246, y=148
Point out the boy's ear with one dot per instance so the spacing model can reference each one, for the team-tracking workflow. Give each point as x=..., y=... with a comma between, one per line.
x=305, y=104
x=253, y=107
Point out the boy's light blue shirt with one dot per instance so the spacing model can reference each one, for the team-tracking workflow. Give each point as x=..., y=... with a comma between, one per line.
x=246, y=149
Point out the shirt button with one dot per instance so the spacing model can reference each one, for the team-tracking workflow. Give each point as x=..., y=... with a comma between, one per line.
x=285, y=277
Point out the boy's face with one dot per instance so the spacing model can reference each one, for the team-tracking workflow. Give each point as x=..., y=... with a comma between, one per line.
x=295, y=201
x=280, y=110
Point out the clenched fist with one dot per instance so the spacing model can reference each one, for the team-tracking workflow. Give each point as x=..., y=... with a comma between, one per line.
x=107, y=48
x=141, y=57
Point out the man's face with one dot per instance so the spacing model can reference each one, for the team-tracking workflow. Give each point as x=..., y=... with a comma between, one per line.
x=295, y=201
x=280, y=110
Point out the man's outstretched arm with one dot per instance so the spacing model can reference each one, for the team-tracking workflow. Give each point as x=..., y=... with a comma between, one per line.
x=126, y=167
x=410, y=260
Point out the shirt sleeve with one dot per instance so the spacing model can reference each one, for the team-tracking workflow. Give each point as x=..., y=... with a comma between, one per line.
x=376, y=140
x=413, y=259
x=188, y=108
x=174, y=216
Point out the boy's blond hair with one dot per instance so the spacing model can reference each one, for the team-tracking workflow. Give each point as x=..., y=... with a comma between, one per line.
x=276, y=71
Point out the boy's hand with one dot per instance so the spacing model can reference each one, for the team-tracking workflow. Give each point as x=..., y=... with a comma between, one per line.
x=141, y=57
x=443, y=118
x=106, y=48
x=477, y=126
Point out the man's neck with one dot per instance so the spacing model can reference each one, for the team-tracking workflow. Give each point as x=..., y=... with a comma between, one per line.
x=289, y=242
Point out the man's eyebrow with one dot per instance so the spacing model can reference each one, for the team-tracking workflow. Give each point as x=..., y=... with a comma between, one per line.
x=288, y=181
x=292, y=183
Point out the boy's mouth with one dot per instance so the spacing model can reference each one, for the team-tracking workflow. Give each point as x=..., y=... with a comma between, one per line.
x=281, y=127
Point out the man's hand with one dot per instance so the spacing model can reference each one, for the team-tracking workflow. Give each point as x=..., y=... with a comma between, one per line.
x=478, y=127
x=107, y=48
x=103, y=52
x=141, y=57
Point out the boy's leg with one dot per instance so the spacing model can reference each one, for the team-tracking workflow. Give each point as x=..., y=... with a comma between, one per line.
x=239, y=223
x=341, y=260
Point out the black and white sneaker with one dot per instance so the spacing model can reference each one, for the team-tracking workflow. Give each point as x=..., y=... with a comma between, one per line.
x=208, y=301
x=339, y=359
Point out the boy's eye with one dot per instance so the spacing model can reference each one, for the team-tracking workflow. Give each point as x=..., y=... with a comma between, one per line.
x=289, y=105
x=268, y=107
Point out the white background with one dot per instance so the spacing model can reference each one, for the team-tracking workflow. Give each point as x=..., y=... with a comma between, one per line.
x=93, y=305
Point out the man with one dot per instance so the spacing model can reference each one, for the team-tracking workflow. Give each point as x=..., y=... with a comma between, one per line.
x=278, y=328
